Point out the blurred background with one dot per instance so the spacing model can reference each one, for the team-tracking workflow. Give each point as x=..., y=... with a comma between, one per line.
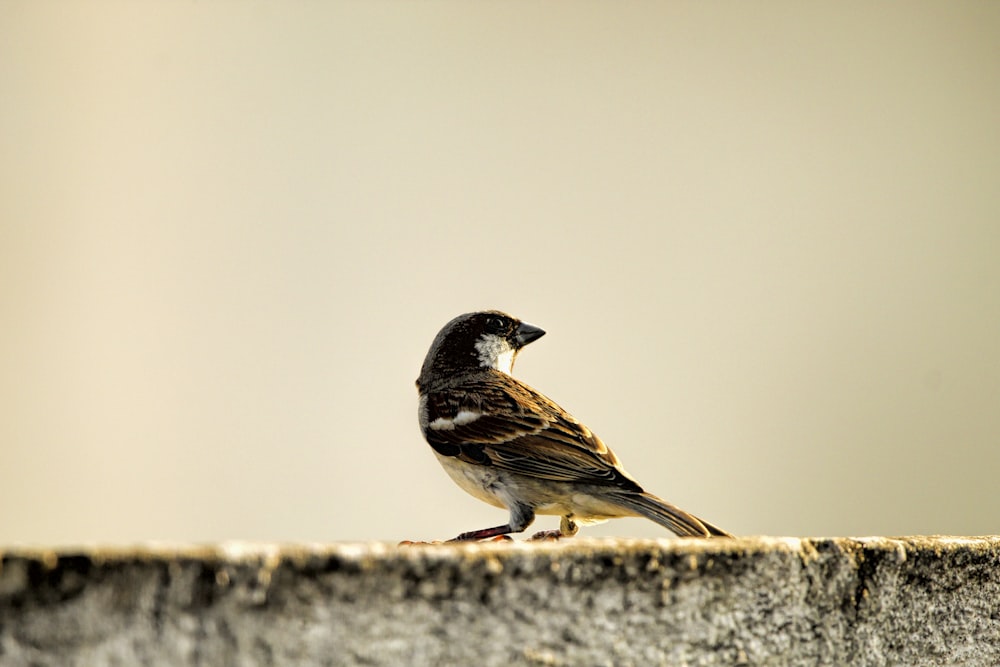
x=764, y=239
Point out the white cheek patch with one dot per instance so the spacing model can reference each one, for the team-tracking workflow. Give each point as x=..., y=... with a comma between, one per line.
x=461, y=419
x=495, y=352
x=505, y=362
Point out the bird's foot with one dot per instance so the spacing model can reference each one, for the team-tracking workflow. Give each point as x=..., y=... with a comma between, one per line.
x=547, y=536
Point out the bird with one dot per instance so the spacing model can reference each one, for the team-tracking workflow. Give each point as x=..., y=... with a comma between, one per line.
x=507, y=444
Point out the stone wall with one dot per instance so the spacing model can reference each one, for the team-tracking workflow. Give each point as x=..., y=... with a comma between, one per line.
x=752, y=601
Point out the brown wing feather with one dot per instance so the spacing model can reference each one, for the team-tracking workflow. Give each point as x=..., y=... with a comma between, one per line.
x=522, y=431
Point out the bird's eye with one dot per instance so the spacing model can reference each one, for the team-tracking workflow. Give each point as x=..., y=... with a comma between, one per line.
x=496, y=325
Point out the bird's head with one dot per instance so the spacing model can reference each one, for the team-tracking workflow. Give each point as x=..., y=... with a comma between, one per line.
x=475, y=341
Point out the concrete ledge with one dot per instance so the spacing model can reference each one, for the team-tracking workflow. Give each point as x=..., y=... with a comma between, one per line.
x=871, y=601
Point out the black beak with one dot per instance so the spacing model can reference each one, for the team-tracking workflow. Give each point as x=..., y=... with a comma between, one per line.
x=526, y=333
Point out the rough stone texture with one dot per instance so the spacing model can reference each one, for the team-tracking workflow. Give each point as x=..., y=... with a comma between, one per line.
x=754, y=601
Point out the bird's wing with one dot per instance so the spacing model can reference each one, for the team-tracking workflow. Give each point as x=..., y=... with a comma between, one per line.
x=502, y=422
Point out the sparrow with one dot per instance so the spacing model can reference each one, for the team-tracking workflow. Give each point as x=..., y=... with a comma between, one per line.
x=510, y=446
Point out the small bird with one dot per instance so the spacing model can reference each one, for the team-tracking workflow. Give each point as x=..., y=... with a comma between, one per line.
x=510, y=446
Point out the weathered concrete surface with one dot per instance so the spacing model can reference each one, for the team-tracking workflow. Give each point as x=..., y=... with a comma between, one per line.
x=770, y=601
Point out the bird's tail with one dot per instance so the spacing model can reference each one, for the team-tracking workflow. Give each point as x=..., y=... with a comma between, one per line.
x=669, y=516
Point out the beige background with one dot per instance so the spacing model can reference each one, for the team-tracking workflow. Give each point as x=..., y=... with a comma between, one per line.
x=764, y=239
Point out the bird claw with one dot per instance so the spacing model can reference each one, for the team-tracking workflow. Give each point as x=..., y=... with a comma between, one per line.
x=546, y=536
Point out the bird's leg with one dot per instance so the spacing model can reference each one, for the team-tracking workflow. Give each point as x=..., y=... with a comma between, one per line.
x=567, y=528
x=483, y=533
x=521, y=517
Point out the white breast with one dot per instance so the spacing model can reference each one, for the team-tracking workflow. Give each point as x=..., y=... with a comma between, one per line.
x=478, y=481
